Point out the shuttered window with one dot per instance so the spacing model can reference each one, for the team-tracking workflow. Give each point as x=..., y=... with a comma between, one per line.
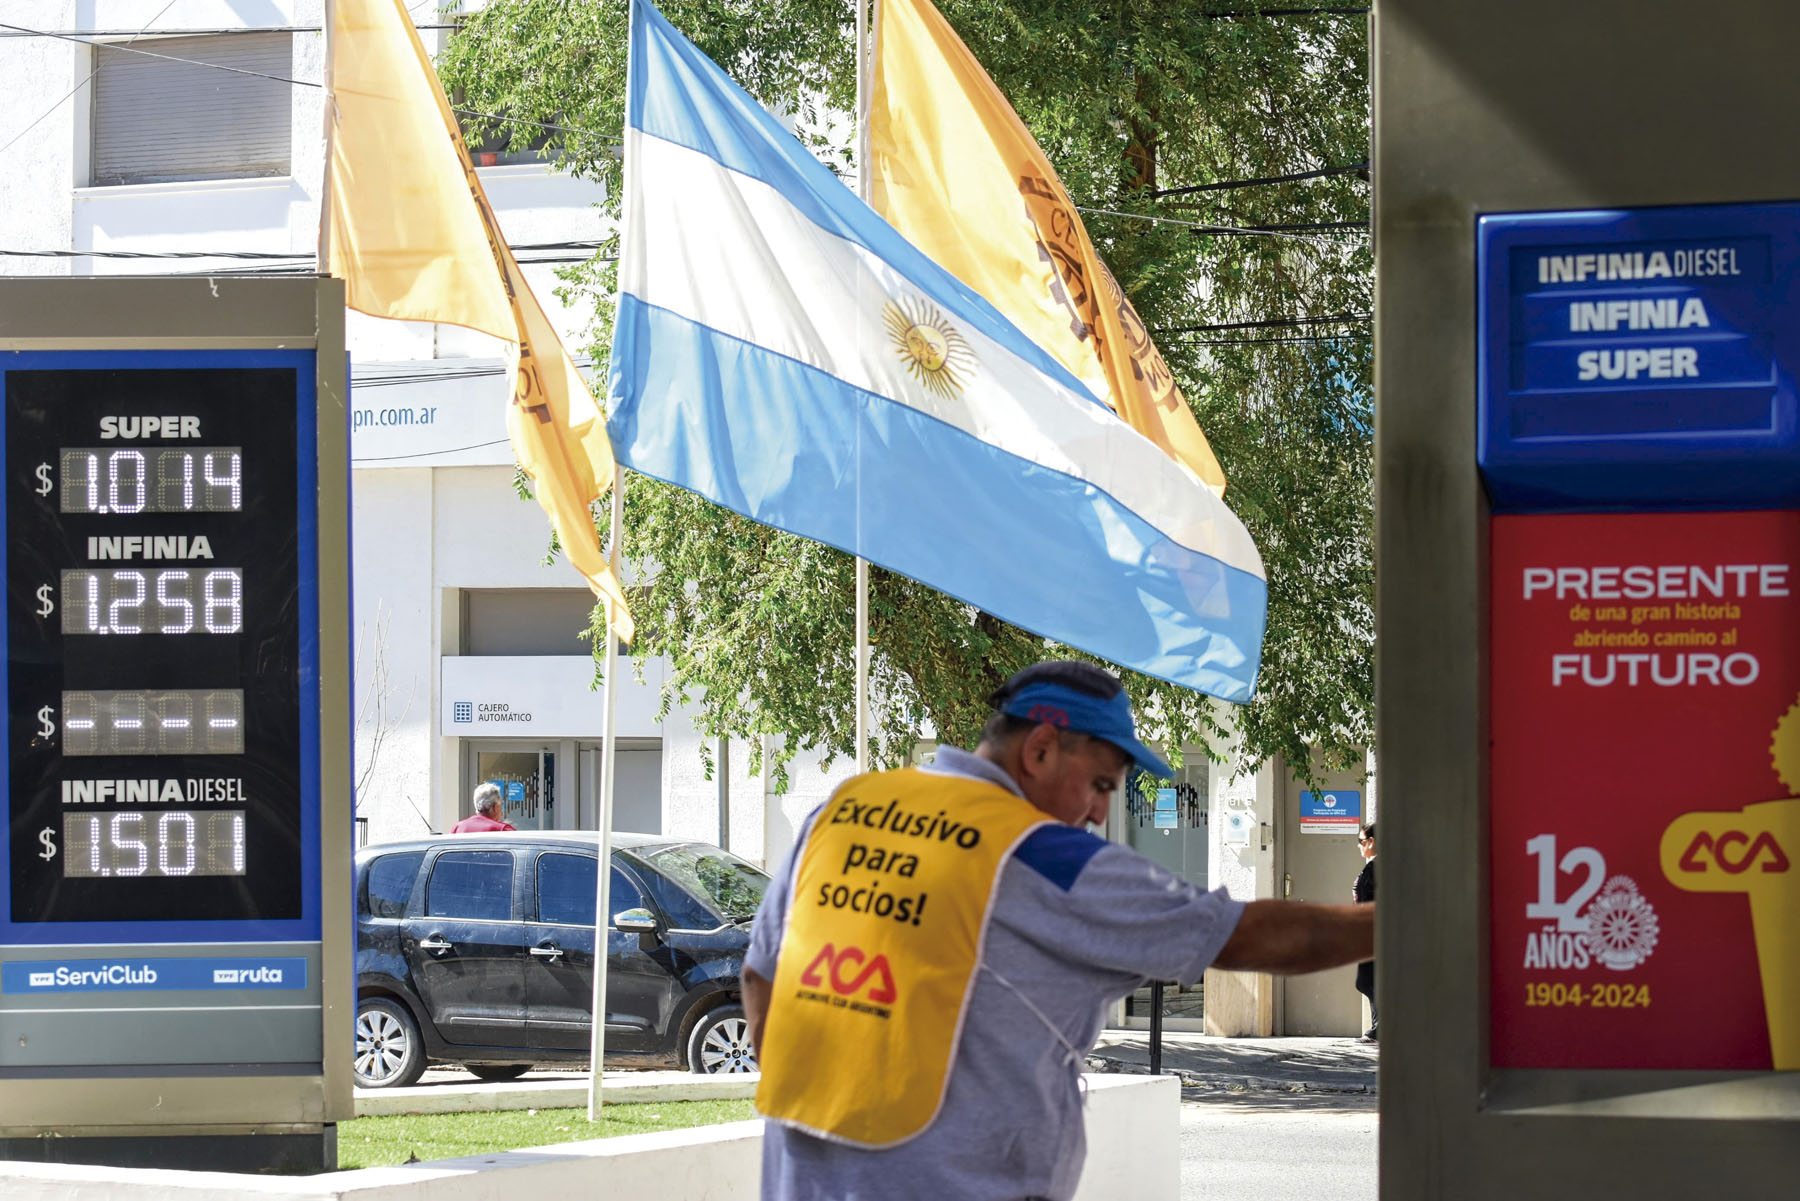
x=157, y=120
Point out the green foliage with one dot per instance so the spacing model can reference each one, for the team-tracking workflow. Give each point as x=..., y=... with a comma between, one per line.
x=1127, y=99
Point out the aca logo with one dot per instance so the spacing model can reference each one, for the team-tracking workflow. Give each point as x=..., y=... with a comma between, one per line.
x=1734, y=851
x=848, y=971
x=1750, y=850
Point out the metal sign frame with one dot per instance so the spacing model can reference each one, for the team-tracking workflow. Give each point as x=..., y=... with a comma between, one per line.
x=1605, y=105
x=102, y=1113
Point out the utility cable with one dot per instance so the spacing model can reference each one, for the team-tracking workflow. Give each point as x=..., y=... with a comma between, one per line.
x=61, y=100
x=1278, y=323
x=1228, y=184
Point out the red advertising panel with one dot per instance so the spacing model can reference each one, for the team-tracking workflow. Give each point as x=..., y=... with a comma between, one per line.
x=1645, y=771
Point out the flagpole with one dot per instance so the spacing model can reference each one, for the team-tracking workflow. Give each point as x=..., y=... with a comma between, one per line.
x=603, y=819
x=864, y=88
x=322, y=264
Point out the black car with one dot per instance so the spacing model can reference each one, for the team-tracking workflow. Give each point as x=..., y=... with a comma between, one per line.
x=478, y=949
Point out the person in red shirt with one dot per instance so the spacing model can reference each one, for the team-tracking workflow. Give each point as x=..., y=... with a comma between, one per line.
x=487, y=813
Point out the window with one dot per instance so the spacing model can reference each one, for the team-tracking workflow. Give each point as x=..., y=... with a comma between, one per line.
x=685, y=873
x=389, y=884
x=156, y=119
x=472, y=885
x=566, y=890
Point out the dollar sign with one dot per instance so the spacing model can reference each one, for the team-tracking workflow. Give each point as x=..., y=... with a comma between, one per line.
x=46, y=726
x=46, y=606
x=43, y=478
x=49, y=851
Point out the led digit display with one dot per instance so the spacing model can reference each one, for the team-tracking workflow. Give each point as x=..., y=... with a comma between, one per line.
x=172, y=600
x=201, y=479
x=167, y=722
x=155, y=551
x=133, y=842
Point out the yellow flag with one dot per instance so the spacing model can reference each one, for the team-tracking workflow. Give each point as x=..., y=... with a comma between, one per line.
x=411, y=233
x=957, y=173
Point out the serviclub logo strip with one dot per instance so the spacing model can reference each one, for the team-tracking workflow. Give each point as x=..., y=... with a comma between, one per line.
x=130, y=974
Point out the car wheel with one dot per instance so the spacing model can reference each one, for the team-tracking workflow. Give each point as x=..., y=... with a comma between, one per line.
x=720, y=1043
x=389, y=1053
x=497, y=1071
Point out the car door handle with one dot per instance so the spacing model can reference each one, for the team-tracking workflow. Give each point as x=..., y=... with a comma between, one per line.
x=550, y=951
x=436, y=943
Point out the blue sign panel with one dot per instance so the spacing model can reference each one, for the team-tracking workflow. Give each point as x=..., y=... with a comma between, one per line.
x=151, y=975
x=1338, y=812
x=1641, y=359
x=1168, y=817
x=161, y=694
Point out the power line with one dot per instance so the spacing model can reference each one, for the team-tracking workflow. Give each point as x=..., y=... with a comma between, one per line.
x=1201, y=226
x=7, y=30
x=84, y=81
x=303, y=83
x=1236, y=15
x=1228, y=184
x=1280, y=323
x=235, y=30
x=1281, y=12
x=1306, y=226
x=1267, y=341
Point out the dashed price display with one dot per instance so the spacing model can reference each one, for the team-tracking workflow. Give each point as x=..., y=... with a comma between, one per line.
x=171, y=722
x=173, y=842
x=175, y=600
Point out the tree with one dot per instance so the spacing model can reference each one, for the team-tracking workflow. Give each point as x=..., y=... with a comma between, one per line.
x=1133, y=102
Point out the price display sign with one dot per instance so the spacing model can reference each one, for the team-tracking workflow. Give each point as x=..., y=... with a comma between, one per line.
x=161, y=690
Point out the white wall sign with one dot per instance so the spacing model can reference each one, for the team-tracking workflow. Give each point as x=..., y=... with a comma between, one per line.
x=541, y=696
x=429, y=413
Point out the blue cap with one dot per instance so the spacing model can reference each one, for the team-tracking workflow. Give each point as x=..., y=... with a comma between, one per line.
x=1068, y=709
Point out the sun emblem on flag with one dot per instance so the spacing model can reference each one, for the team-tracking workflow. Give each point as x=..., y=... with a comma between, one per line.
x=934, y=351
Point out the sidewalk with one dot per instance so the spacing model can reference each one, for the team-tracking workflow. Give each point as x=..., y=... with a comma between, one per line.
x=1238, y=1065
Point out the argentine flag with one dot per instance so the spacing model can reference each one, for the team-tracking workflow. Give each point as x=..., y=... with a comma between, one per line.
x=782, y=351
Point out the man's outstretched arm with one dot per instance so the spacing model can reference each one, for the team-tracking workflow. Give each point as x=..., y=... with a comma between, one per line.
x=756, y=1005
x=1292, y=937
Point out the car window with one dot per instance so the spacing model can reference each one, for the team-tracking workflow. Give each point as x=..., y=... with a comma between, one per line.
x=475, y=885
x=389, y=883
x=698, y=886
x=566, y=890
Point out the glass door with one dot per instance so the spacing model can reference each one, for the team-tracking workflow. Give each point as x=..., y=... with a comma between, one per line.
x=526, y=777
x=1169, y=827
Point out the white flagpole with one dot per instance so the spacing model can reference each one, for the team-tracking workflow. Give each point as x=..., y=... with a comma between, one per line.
x=603, y=818
x=322, y=265
x=865, y=84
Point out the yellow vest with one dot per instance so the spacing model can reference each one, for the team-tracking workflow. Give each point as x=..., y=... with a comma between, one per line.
x=884, y=934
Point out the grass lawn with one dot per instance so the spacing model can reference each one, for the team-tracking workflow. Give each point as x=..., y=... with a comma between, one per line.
x=377, y=1142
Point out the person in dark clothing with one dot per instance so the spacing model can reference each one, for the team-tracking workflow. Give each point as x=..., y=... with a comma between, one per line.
x=1363, y=892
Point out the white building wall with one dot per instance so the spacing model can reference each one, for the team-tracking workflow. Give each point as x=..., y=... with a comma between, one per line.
x=396, y=658
x=40, y=165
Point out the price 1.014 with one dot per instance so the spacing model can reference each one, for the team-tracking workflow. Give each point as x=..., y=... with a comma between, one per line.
x=197, y=479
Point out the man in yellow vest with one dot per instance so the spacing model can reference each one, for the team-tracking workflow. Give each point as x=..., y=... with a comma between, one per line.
x=931, y=966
